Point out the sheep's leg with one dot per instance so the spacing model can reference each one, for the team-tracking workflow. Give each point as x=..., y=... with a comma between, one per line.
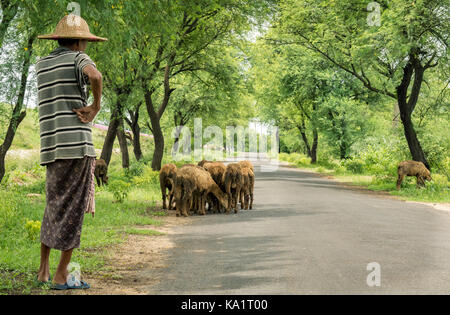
x=399, y=181
x=197, y=204
x=230, y=203
x=238, y=194
x=191, y=203
x=170, y=201
x=230, y=199
x=203, y=203
x=420, y=181
x=178, y=207
x=233, y=200
x=164, y=200
x=184, y=207
x=251, y=198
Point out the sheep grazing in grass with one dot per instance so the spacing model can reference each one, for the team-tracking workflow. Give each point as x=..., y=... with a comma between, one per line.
x=101, y=172
x=216, y=170
x=167, y=177
x=413, y=168
x=195, y=183
x=248, y=185
x=232, y=179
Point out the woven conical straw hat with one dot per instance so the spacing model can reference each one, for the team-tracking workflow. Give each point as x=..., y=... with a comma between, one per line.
x=73, y=27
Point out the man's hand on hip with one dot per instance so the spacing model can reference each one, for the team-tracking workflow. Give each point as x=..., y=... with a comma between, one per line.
x=87, y=114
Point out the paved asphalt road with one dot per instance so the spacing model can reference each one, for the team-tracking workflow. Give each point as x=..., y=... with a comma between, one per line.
x=311, y=235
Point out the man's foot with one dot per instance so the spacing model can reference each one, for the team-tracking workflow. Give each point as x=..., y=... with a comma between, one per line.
x=60, y=279
x=44, y=277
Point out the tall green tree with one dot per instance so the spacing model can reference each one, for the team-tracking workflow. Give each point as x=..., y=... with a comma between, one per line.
x=391, y=59
x=23, y=20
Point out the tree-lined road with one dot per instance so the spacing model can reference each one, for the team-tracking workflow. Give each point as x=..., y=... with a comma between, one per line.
x=310, y=235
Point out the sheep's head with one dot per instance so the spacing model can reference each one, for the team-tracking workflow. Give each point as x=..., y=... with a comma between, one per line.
x=224, y=201
x=426, y=175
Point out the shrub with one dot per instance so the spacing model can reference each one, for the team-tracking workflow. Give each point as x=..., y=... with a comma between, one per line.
x=147, y=178
x=295, y=158
x=135, y=169
x=440, y=180
x=33, y=229
x=444, y=167
x=355, y=166
x=120, y=189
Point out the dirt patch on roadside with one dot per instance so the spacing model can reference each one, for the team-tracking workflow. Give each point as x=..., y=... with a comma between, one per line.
x=123, y=273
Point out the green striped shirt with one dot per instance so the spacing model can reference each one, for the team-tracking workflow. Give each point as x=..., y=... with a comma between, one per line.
x=62, y=88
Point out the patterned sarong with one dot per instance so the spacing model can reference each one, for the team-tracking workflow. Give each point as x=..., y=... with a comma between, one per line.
x=70, y=193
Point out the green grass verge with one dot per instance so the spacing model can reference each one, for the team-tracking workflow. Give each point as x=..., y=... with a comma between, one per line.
x=436, y=191
x=22, y=204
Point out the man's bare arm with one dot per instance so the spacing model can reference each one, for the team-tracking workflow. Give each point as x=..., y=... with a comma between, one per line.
x=96, y=80
x=87, y=114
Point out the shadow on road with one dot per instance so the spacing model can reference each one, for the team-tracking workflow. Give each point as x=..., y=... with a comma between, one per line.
x=239, y=262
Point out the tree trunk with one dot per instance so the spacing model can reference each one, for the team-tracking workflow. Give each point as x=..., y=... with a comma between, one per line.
x=159, y=144
x=314, y=146
x=158, y=136
x=17, y=115
x=406, y=106
x=111, y=134
x=306, y=142
x=177, y=138
x=137, y=150
x=133, y=122
x=9, y=140
x=311, y=151
x=413, y=142
x=123, y=145
x=136, y=129
x=155, y=118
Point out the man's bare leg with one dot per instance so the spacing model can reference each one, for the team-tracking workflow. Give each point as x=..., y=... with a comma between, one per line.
x=62, y=273
x=44, y=269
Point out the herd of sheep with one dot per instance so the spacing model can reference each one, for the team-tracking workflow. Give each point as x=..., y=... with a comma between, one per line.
x=217, y=187
x=222, y=187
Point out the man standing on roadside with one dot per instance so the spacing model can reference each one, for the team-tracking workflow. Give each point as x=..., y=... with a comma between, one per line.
x=66, y=143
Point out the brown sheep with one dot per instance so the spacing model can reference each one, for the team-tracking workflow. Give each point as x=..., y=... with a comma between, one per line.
x=167, y=177
x=194, y=183
x=184, y=190
x=216, y=169
x=203, y=162
x=194, y=201
x=101, y=172
x=247, y=164
x=248, y=185
x=232, y=179
x=413, y=168
x=206, y=186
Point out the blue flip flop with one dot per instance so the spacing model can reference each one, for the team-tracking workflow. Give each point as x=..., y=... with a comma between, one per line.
x=65, y=286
